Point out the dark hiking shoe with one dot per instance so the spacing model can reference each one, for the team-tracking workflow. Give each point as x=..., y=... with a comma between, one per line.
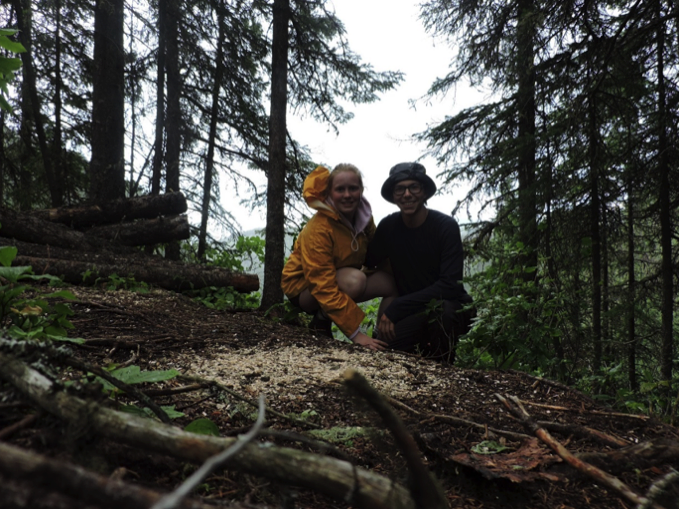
x=321, y=326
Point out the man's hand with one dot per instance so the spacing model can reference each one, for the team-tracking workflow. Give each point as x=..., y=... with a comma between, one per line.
x=368, y=342
x=386, y=328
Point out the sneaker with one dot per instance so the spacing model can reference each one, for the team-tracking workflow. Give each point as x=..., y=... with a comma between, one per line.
x=321, y=325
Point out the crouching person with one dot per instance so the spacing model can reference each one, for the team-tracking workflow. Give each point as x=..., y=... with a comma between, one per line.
x=323, y=275
x=424, y=249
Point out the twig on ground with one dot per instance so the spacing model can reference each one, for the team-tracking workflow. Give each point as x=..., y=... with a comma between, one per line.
x=425, y=490
x=23, y=423
x=457, y=421
x=600, y=476
x=250, y=402
x=178, y=390
x=585, y=432
x=594, y=412
x=173, y=499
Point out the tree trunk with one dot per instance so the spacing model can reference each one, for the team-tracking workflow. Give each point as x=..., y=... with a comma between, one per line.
x=525, y=97
x=139, y=207
x=158, y=147
x=667, y=307
x=595, y=232
x=212, y=139
x=272, y=293
x=335, y=478
x=53, y=183
x=107, y=171
x=631, y=291
x=173, y=121
x=60, y=173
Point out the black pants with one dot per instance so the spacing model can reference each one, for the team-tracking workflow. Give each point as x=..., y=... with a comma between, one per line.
x=434, y=334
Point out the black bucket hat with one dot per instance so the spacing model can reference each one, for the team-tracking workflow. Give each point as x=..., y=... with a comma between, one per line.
x=407, y=171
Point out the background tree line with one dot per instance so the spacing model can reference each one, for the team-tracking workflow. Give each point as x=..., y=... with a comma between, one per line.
x=575, y=152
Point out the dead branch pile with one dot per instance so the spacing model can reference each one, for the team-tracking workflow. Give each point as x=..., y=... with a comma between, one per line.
x=82, y=245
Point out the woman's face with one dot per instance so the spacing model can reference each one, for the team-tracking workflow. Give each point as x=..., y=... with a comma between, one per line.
x=346, y=193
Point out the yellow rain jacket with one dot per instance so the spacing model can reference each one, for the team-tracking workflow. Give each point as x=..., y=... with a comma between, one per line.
x=328, y=242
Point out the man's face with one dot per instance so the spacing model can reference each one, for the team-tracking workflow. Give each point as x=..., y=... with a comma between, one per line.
x=409, y=196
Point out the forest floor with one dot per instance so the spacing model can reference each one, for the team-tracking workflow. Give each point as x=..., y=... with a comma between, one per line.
x=452, y=413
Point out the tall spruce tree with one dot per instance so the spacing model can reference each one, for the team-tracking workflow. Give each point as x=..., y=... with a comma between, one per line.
x=107, y=168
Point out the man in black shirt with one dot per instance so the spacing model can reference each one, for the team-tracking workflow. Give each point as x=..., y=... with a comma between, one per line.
x=424, y=249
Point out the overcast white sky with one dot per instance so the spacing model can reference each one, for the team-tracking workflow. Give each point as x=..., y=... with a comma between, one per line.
x=388, y=35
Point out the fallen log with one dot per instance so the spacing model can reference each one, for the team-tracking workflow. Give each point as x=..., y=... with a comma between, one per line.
x=77, y=483
x=144, y=232
x=330, y=476
x=109, y=256
x=127, y=209
x=25, y=227
x=171, y=276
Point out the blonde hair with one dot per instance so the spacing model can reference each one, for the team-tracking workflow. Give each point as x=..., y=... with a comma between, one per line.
x=341, y=168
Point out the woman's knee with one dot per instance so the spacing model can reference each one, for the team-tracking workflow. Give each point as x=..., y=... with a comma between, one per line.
x=351, y=281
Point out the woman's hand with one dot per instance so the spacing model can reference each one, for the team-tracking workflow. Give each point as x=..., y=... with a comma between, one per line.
x=368, y=342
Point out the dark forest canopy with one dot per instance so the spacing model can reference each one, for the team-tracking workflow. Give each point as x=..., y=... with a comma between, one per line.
x=575, y=152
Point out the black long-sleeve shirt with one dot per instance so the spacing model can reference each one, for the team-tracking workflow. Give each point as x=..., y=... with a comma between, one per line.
x=427, y=261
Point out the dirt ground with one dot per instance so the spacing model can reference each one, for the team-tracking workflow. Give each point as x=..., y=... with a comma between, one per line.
x=452, y=413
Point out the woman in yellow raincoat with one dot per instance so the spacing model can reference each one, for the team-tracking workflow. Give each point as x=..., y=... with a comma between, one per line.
x=323, y=274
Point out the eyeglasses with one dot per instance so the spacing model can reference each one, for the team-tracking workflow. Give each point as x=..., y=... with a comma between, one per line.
x=415, y=188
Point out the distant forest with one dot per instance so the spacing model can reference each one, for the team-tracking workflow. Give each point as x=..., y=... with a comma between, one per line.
x=575, y=153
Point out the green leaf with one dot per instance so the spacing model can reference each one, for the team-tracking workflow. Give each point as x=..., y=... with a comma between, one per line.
x=203, y=426
x=77, y=341
x=7, y=255
x=489, y=447
x=10, y=45
x=64, y=294
x=12, y=274
x=170, y=411
x=146, y=412
x=133, y=375
x=9, y=65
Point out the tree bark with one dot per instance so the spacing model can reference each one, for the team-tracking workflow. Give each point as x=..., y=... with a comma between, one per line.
x=595, y=230
x=664, y=201
x=158, y=146
x=139, y=207
x=631, y=290
x=335, y=478
x=77, y=483
x=107, y=172
x=212, y=139
x=54, y=184
x=274, y=255
x=525, y=97
x=148, y=231
x=174, y=117
x=145, y=232
x=171, y=276
x=26, y=228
